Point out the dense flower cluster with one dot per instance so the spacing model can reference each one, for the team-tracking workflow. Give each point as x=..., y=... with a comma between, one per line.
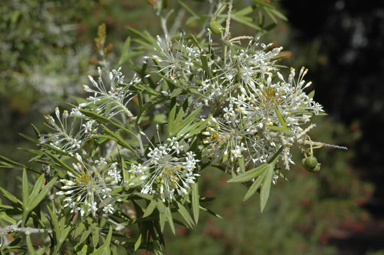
x=68, y=131
x=260, y=118
x=255, y=112
x=88, y=188
x=168, y=171
x=110, y=99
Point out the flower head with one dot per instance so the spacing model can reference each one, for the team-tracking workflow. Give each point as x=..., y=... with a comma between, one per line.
x=260, y=118
x=168, y=171
x=88, y=188
x=68, y=131
x=111, y=98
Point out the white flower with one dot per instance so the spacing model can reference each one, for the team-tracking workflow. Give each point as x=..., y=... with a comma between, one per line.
x=168, y=171
x=259, y=118
x=89, y=185
x=68, y=131
x=113, y=98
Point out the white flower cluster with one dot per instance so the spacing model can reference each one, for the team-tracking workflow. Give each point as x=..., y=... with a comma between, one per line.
x=167, y=171
x=260, y=118
x=177, y=60
x=238, y=67
x=254, y=111
x=69, y=131
x=112, y=100
x=88, y=188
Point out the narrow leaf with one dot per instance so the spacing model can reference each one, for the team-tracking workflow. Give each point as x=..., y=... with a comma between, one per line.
x=186, y=121
x=280, y=117
x=195, y=202
x=138, y=242
x=37, y=200
x=266, y=188
x=171, y=119
x=168, y=216
x=249, y=175
x=9, y=161
x=4, y=216
x=241, y=164
x=188, y=9
x=37, y=187
x=25, y=191
x=255, y=186
x=106, y=247
x=31, y=250
x=10, y=196
x=311, y=94
x=152, y=205
x=185, y=214
x=125, y=51
x=60, y=162
x=37, y=132
x=119, y=140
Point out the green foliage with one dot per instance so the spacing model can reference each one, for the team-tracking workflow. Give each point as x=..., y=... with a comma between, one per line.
x=122, y=167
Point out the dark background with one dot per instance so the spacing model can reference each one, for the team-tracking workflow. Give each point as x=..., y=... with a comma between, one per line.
x=341, y=42
x=349, y=81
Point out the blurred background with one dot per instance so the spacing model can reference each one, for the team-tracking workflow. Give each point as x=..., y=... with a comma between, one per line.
x=47, y=50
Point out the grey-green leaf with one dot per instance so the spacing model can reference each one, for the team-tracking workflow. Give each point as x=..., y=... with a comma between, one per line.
x=195, y=202
x=266, y=188
x=255, y=186
x=249, y=175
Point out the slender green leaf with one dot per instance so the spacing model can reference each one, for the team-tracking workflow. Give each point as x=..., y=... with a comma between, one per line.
x=177, y=127
x=106, y=247
x=162, y=221
x=266, y=188
x=245, y=22
x=37, y=132
x=10, y=197
x=31, y=250
x=37, y=187
x=249, y=175
x=85, y=235
x=146, y=37
x=211, y=212
x=195, y=202
x=119, y=140
x=280, y=117
x=285, y=130
x=244, y=12
x=311, y=94
x=168, y=216
x=152, y=205
x=188, y=9
x=125, y=51
x=138, y=242
x=25, y=190
x=95, y=235
x=80, y=228
x=255, y=186
x=185, y=214
x=274, y=20
x=35, y=141
x=264, y=4
x=278, y=14
x=60, y=162
x=171, y=119
x=101, y=118
x=11, y=162
x=44, y=192
x=241, y=164
x=205, y=66
x=4, y=216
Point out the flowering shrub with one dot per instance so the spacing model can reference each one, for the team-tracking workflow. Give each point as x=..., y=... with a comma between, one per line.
x=120, y=164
